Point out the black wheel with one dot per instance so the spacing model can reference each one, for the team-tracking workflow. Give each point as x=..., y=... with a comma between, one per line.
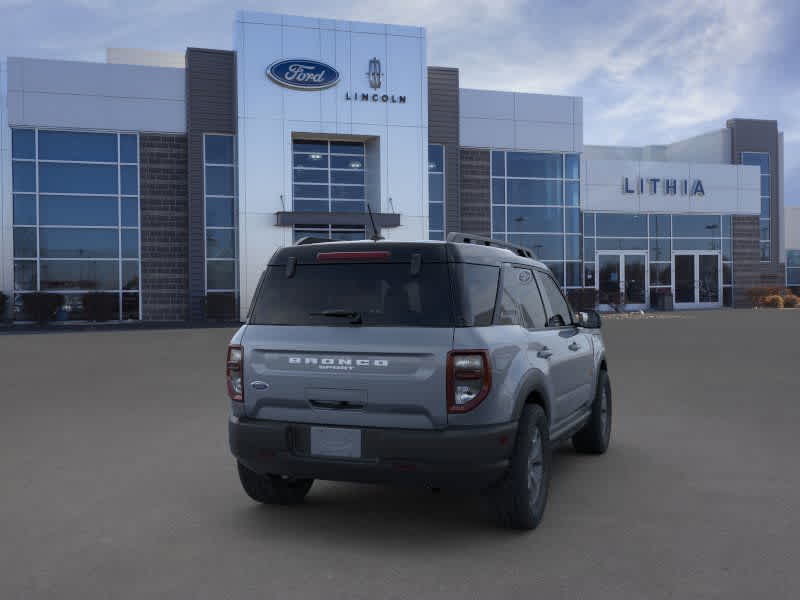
x=520, y=499
x=596, y=434
x=273, y=489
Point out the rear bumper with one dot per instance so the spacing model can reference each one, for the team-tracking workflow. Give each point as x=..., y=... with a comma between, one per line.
x=462, y=457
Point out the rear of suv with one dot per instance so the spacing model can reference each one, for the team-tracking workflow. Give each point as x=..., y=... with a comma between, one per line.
x=444, y=364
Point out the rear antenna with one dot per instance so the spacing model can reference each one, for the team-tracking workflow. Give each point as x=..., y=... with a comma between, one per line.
x=375, y=237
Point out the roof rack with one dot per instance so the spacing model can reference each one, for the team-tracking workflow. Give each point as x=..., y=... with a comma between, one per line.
x=310, y=239
x=468, y=238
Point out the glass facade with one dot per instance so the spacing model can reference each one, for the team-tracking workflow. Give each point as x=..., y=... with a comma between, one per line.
x=536, y=204
x=328, y=176
x=221, y=222
x=76, y=219
x=436, y=192
x=660, y=235
x=761, y=160
x=793, y=268
x=334, y=232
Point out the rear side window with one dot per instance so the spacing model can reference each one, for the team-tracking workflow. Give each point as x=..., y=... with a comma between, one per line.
x=521, y=303
x=559, y=314
x=332, y=294
x=478, y=285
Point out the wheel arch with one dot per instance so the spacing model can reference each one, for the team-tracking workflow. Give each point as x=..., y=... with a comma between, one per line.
x=533, y=390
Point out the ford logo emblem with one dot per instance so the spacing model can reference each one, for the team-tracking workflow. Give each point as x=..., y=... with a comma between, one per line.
x=303, y=74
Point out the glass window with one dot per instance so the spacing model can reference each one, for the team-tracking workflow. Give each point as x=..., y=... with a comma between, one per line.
x=660, y=249
x=588, y=274
x=312, y=205
x=572, y=246
x=518, y=304
x=763, y=229
x=527, y=191
x=793, y=258
x=130, y=243
x=129, y=176
x=765, y=191
x=221, y=275
x=660, y=274
x=219, y=181
x=25, y=242
x=66, y=178
x=130, y=307
x=77, y=210
x=318, y=161
x=347, y=192
x=573, y=274
x=436, y=217
x=621, y=225
x=727, y=296
x=130, y=212
x=572, y=190
x=219, y=149
x=23, y=143
x=219, y=212
x=23, y=176
x=498, y=191
x=572, y=220
x=544, y=247
x=530, y=164
x=128, y=148
x=765, y=251
x=660, y=226
x=346, y=162
x=130, y=275
x=621, y=243
x=695, y=244
x=347, y=148
x=435, y=158
x=727, y=225
x=727, y=249
x=77, y=146
x=573, y=166
x=765, y=207
x=25, y=275
x=696, y=225
x=347, y=206
x=538, y=219
x=436, y=187
x=759, y=159
x=727, y=273
x=56, y=242
x=310, y=191
x=79, y=275
x=220, y=243
x=499, y=219
x=588, y=224
x=558, y=312
x=588, y=249
x=498, y=163
x=557, y=268
x=357, y=177
x=478, y=286
x=24, y=209
x=312, y=146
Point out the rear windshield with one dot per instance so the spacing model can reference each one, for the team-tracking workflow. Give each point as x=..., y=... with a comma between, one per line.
x=355, y=294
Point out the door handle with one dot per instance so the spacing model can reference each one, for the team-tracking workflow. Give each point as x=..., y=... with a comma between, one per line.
x=544, y=352
x=574, y=347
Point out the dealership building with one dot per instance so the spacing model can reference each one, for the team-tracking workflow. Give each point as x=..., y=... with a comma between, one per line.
x=168, y=180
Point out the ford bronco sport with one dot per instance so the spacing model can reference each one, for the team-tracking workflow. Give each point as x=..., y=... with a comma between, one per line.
x=455, y=363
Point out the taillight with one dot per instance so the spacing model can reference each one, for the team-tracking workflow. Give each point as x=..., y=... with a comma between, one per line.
x=233, y=373
x=469, y=378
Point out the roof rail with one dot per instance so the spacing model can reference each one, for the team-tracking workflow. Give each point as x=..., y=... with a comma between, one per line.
x=310, y=239
x=468, y=238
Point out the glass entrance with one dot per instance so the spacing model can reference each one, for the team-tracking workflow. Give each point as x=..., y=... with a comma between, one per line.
x=697, y=279
x=622, y=280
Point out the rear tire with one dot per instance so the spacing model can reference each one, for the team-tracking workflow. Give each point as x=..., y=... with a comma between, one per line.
x=520, y=498
x=596, y=434
x=273, y=489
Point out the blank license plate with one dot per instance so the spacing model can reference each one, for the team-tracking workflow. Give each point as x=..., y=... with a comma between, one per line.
x=332, y=441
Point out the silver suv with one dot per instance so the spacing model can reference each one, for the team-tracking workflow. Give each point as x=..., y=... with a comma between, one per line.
x=456, y=363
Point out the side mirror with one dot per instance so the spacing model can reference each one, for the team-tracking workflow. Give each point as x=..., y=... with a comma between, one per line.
x=590, y=319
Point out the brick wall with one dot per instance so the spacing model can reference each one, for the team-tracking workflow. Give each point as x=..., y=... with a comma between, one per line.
x=443, y=128
x=165, y=227
x=746, y=266
x=476, y=216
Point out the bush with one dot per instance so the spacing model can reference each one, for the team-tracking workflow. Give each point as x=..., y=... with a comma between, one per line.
x=773, y=301
x=790, y=301
x=99, y=306
x=3, y=306
x=41, y=306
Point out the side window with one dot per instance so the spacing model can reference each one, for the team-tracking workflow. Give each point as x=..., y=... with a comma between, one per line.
x=478, y=292
x=559, y=313
x=520, y=302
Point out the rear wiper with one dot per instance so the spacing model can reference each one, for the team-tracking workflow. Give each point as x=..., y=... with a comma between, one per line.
x=354, y=316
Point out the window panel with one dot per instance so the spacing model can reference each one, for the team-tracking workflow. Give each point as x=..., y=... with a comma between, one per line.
x=621, y=225
x=221, y=274
x=219, y=149
x=520, y=301
x=588, y=274
x=759, y=159
x=765, y=251
x=498, y=163
x=25, y=275
x=310, y=191
x=526, y=191
x=55, y=242
x=588, y=249
x=25, y=242
x=660, y=226
x=544, y=247
x=129, y=183
x=315, y=161
x=696, y=225
x=311, y=175
x=357, y=177
x=763, y=229
x=435, y=158
x=572, y=246
x=130, y=307
x=558, y=304
x=793, y=277
x=79, y=275
x=572, y=220
x=530, y=164
x=219, y=212
x=343, y=162
x=347, y=192
x=130, y=212
x=573, y=274
x=23, y=143
x=765, y=185
x=347, y=148
x=695, y=244
x=78, y=146
x=572, y=191
x=498, y=191
x=765, y=207
x=348, y=206
x=130, y=243
x=436, y=216
x=128, y=148
x=660, y=249
x=727, y=297
x=436, y=187
x=24, y=209
x=311, y=205
x=573, y=166
x=727, y=249
x=498, y=218
x=588, y=224
x=621, y=243
x=77, y=179
x=130, y=274
x=727, y=273
x=23, y=176
x=793, y=258
x=727, y=226
x=660, y=274
x=535, y=219
x=348, y=235
x=77, y=210
x=310, y=146
x=219, y=181
x=220, y=243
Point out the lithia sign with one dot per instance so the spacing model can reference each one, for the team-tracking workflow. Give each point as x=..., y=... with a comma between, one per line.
x=306, y=74
x=669, y=187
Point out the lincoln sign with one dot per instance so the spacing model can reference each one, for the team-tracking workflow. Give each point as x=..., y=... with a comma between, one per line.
x=667, y=186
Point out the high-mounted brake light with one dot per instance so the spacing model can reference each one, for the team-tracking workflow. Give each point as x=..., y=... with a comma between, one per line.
x=233, y=373
x=469, y=379
x=366, y=255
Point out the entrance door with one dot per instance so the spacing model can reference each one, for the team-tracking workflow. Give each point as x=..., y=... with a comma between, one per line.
x=622, y=280
x=697, y=279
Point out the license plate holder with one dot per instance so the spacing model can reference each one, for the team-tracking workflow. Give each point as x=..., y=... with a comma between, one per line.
x=335, y=442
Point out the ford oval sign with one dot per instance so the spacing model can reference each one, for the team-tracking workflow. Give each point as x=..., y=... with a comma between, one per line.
x=303, y=74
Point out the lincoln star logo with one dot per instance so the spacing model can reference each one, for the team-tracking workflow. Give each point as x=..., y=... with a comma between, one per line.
x=337, y=364
x=302, y=74
x=374, y=74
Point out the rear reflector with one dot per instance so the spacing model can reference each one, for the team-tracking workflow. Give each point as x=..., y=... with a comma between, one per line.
x=368, y=255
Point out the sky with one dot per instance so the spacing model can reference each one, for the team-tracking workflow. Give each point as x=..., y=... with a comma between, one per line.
x=649, y=72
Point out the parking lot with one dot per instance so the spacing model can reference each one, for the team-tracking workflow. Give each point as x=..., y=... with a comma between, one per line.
x=117, y=482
